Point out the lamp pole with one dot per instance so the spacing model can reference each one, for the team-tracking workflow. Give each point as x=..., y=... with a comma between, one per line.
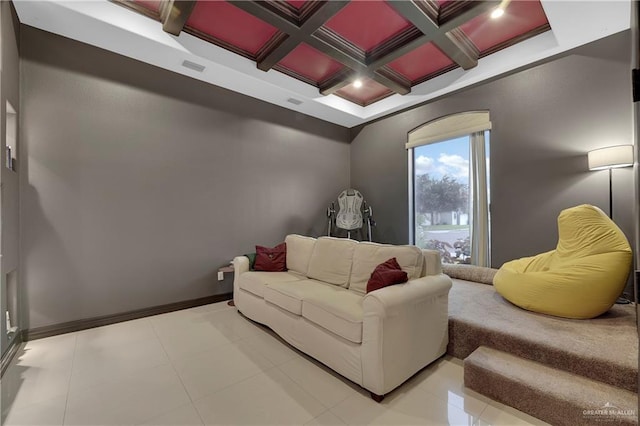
x=610, y=158
x=610, y=193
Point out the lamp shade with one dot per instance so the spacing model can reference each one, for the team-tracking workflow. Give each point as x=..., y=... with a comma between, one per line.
x=611, y=157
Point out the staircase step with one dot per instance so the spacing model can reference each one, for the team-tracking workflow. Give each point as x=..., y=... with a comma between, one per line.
x=603, y=349
x=555, y=396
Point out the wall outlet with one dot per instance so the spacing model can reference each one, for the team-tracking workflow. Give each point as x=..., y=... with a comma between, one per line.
x=220, y=275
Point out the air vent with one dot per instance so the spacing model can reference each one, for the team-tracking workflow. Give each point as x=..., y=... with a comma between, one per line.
x=294, y=101
x=193, y=66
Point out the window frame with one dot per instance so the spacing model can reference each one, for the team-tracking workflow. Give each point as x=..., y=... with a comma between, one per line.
x=439, y=130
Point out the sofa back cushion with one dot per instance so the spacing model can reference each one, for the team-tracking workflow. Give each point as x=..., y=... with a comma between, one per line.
x=369, y=255
x=299, y=250
x=331, y=260
x=432, y=264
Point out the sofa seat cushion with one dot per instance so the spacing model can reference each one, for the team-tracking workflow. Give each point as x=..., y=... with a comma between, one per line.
x=289, y=295
x=256, y=282
x=367, y=256
x=339, y=312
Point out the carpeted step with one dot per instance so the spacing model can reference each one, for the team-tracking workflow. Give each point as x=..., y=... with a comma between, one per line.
x=603, y=349
x=555, y=396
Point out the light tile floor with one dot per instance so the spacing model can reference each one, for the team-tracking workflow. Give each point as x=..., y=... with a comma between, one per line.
x=210, y=365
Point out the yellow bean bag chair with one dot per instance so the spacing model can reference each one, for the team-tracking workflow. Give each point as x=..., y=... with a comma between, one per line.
x=581, y=278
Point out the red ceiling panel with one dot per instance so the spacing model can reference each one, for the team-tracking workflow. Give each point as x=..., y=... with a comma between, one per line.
x=225, y=22
x=367, y=24
x=311, y=63
x=153, y=5
x=297, y=3
x=519, y=18
x=421, y=62
x=368, y=93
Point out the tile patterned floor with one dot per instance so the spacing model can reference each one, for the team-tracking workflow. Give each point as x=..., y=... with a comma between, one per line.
x=211, y=366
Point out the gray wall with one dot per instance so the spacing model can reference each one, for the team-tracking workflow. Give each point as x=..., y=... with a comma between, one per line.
x=9, y=91
x=544, y=119
x=137, y=183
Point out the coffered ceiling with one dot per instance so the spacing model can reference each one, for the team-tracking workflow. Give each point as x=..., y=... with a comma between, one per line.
x=387, y=46
x=342, y=61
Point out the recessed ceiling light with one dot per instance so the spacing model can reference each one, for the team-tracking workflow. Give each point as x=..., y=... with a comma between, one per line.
x=357, y=84
x=497, y=13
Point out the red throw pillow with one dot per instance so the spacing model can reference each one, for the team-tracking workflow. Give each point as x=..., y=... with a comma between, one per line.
x=271, y=259
x=386, y=274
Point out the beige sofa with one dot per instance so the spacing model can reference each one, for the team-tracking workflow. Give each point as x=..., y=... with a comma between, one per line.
x=377, y=340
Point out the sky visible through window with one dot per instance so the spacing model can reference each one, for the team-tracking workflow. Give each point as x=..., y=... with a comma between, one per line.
x=439, y=159
x=449, y=157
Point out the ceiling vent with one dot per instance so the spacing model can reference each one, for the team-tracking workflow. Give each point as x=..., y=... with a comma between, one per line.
x=294, y=101
x=193, y=66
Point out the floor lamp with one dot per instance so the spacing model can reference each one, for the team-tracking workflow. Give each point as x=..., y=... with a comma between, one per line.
x=610, y=158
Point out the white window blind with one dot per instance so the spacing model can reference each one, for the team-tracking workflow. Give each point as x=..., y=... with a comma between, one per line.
x=449, y=127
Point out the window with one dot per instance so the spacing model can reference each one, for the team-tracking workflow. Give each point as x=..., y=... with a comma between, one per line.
x=449, y=184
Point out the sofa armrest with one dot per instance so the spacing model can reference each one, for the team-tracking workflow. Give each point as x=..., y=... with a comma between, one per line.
x=240, y=266
x=405, y=328
x=392, y=300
